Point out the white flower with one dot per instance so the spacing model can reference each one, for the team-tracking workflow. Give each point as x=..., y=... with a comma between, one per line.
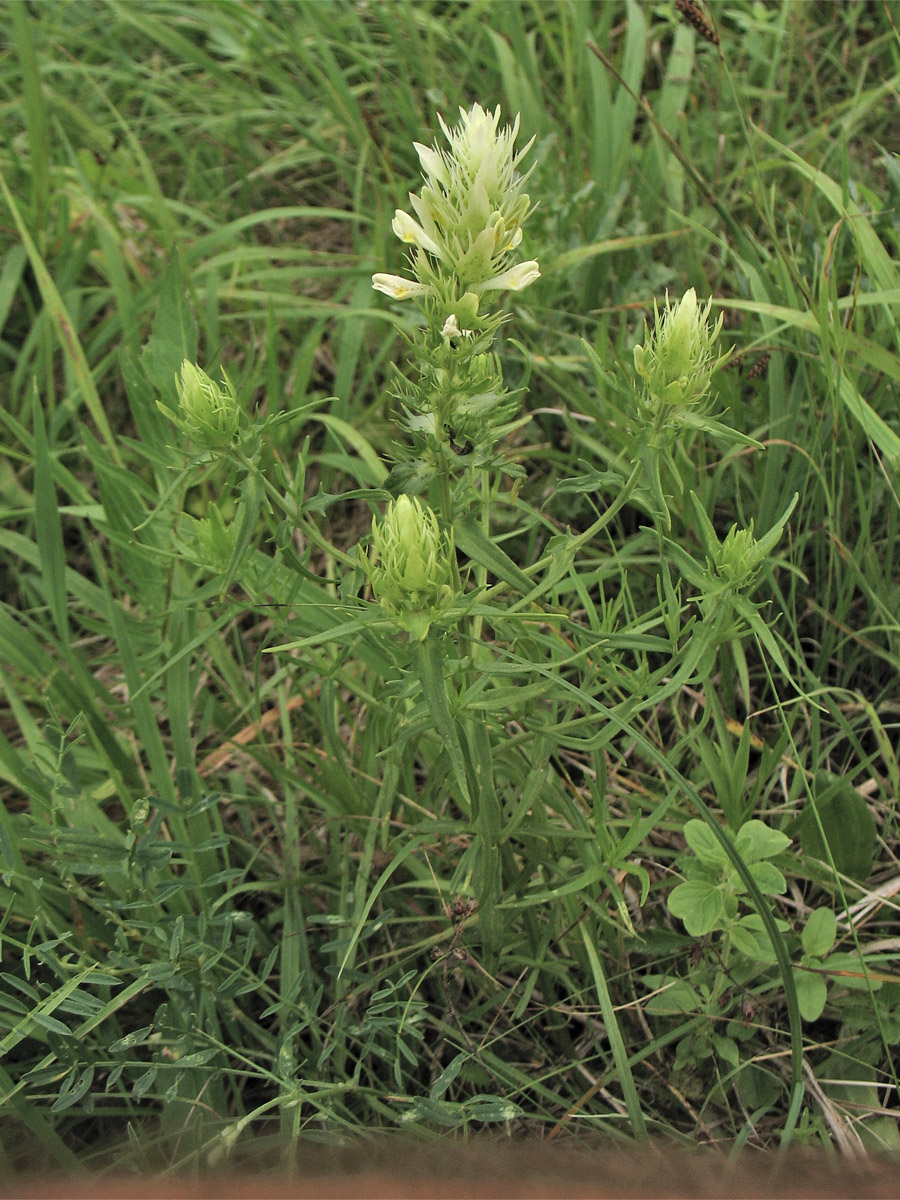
x=451, y=327
x=411, y=232
x=512, y=241
x=516, y=278
x=398, y=287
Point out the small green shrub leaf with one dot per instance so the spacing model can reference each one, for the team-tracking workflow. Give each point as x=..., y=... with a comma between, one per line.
x=768, y=878
x=812, y=992
x=848, y=826
x=819, y=933
x=679, y=997
x=699, y=905
x=748, y=945
x=704, y=843
x=756, y=841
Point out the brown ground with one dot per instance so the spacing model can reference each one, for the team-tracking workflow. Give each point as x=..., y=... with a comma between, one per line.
x=504, y=1171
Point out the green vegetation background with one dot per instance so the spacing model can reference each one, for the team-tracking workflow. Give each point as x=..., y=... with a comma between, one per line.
x=218, y=868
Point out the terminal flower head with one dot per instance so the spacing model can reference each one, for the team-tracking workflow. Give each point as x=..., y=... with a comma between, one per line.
x=737, y=560
x=479, y=170
x=469, y=214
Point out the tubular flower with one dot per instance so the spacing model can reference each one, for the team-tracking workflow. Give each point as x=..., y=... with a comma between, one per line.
x=516, y=278
x=397, y=286
x=411, y=565
x=410, y=231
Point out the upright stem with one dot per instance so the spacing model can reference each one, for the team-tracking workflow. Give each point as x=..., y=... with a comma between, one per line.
x=446, y=499
x=480, y=569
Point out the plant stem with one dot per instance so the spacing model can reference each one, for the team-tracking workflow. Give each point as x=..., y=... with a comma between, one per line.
x=575, y=544
x=480, y=569
x=294, y=512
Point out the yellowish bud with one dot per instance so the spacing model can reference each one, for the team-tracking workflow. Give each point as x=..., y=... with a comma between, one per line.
x=677, y=359
x=411, y=565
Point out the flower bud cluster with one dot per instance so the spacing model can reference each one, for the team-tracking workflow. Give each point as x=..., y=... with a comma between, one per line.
x=733, y=565
x=209, y=414
x=411, y=565
x=470, y=214
x=677, y=360
x=737, y=560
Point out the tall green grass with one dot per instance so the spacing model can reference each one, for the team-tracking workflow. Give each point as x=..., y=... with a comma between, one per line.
x=227, y=920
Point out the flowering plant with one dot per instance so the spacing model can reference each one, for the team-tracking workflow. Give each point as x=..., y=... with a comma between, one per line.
x=448, y=681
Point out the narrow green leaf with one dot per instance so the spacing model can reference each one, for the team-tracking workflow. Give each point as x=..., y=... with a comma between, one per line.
x=36, y=122
x=10, y=277
x=377, y=472
x=48, y=526
x=174, y=336
x=65, y=330
x=614, y=1033
x=429, y=661
x=474, y=542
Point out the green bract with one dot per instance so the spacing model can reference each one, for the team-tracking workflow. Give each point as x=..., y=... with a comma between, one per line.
x=209, y=414
x=411, y=566
x=215, y=540
x=676, y=361
x=737, y=561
